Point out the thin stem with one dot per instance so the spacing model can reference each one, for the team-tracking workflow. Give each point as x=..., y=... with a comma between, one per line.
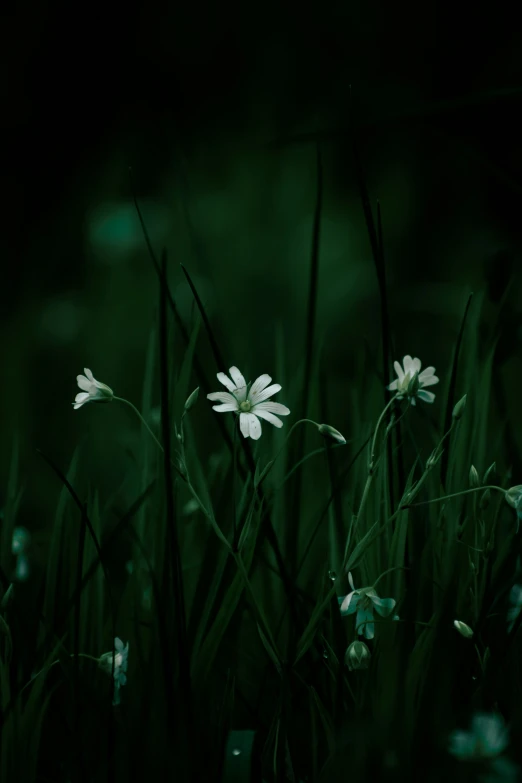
x=455, y=495
x=136, y=411
x=292, y=428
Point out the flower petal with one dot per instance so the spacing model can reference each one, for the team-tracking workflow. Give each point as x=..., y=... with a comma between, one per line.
x=222, y=397
x=426, y=373
x=237, y=377
x=461, y=744
x=89, y=374
x=268, y=417
x=259, y=384
x=424, y=395
x=349, y=603
x=259, y=396
x=399, y=371
x=225, y=380
x=82, y=397
x=393, y=385
x=118, y=644
x=83, y=382
x=225, y=407
x=407, y=364
x=273, y=407
x=383, y=606
x=430, y=381
x=416, y=365
x=244, y=425
x=255, y=427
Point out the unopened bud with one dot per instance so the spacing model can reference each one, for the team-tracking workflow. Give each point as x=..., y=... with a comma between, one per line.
x=434, y=458
x=463, y=629
x=458, y=410
x=489, y=473
x=192, y=399
x=357, y=656
x=474, y=480
x=331, y=433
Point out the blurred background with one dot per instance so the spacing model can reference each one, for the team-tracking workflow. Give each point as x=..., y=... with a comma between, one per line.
x=218, y=111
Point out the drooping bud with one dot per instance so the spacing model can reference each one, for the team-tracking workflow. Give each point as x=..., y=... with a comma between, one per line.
x=331, y=433
x=463, y=629
x=357, y=656
x=458, y=410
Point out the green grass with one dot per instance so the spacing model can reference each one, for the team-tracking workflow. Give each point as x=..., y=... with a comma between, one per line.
x=237, y=646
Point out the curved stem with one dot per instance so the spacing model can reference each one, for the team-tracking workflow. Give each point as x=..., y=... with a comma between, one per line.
x=456, y=495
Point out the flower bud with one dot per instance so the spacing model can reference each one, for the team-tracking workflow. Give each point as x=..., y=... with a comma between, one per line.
x=458, y=410
x=474, y=480
x=434, y=458
x=192, y=399
x=357, y=656
x=489, y=473
x=463, y=629
x=331, y=433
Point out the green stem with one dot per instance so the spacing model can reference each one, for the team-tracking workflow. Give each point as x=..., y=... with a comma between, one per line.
x=455, y=495
x=381, y=417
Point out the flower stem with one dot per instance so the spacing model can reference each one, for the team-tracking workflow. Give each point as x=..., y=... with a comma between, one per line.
x=456, y=495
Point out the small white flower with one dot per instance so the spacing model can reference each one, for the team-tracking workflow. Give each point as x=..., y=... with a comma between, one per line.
x=515, y=598
x=250, y=404
x=405, y=376
x=93, y=390
x=364, y=601
x=120, y=666
x=487, y=738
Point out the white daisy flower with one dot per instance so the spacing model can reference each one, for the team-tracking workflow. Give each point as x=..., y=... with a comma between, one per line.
x=93, y=390
x=251, y=404
x=405, y=376
x=364, y=601
x=487, y=738
x=515, y=598
x=120, y=666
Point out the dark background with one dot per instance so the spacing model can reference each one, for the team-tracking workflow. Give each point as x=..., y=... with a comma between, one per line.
x=216, y=110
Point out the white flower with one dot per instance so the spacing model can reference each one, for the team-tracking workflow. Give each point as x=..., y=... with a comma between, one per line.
x=515, y=598
x=120, y=666
x=251, y=405
x=364, y=601
x=488, y=738
x=411, y=369
x=93, y=390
